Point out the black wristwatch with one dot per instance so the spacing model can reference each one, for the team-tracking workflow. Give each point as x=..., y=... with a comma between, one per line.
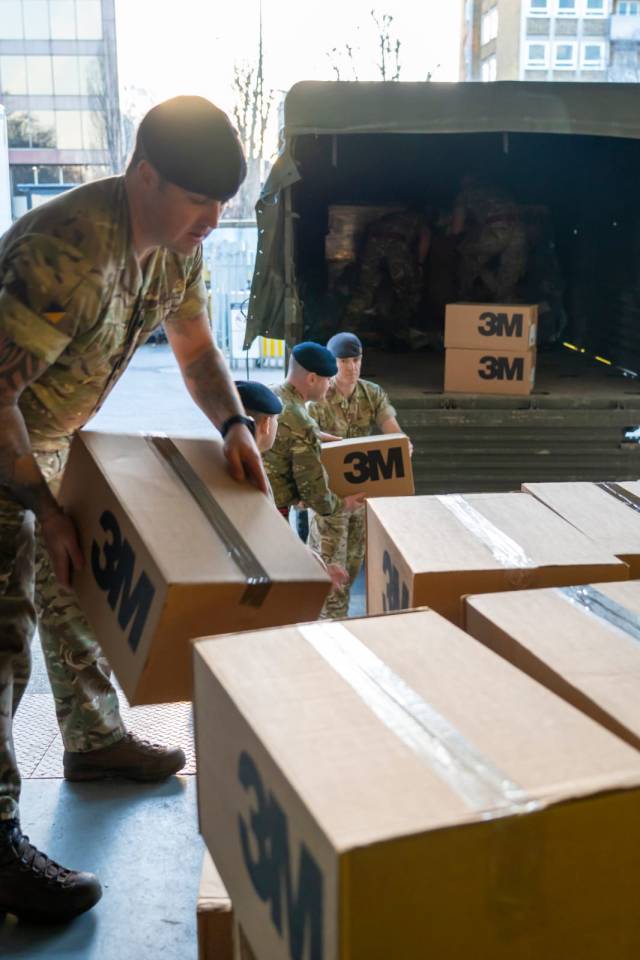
x=249, y=423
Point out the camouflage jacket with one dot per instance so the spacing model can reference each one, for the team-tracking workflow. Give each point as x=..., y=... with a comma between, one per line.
x=73, y=295
x=356, y=416
x=293, y=463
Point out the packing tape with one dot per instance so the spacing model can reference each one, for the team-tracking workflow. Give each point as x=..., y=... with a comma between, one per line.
x=595, y=603
x=505, y=550
x=257, y=578
x=624, y=496
x=483, y=787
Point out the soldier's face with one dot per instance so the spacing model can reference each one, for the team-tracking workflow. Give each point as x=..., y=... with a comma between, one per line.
x=318, y=387
x=180, y=220
x=266, y=429
x=349, y=369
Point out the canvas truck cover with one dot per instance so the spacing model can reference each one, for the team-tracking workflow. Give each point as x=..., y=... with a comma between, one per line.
x=337, y=107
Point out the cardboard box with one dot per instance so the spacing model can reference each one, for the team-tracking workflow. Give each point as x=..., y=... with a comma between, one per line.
x=580, y=642
x=214, y=915
x=378, y=466
x=491, y=327
x=389, y=788
x=608, y=513
x=160, y=571
x=431, y=551
x=489, y=371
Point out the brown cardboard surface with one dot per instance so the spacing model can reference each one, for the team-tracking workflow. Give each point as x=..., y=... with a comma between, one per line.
x=491, y=327
x=332, y=821
x=584, y=659
x=489, y=371
x=157, y=574
x=214, y=915
x=419, y=553
x=606, y=520
x=377, y=466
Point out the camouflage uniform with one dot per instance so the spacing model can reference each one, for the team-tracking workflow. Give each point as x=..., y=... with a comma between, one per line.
x=293, y=463
x=340, y=538
x=73, y=295
x=494, y=233
x=391, y=254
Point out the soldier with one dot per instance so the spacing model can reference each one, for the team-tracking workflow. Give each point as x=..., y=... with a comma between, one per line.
x=293, y=464
x=493, y=248
x=351, y=408
x=390, y=277
x=83, y=280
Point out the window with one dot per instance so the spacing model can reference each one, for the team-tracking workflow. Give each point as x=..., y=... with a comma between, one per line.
x=489, y=26
x=43, y=130
x=539, y=8
x=593, y=55
x=628, y=8
x=93, y=128
x=594, y=8
x=36, y=19
x=489, y=69
x=66, y=80
x=18, y=129
x=11, y=19
x=90, y=70
x=565, y=56
x=566, y=8
x=537, y=56
x=63, y=19
x=13, y=76
x=39, y=75
x=89, y=19
x=69, y=129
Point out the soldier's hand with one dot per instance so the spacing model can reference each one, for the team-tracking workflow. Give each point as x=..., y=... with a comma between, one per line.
x=350, y=504
x=327, y=437
x=58, y=532
x=338, y=574
x=243, y=457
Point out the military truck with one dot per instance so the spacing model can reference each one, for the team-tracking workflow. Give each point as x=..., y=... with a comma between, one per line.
x=569, y=153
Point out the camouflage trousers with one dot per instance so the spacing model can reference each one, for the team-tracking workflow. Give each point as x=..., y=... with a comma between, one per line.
x=339, y=538
x=506, y=245
x=85, y=701
x=393, y=257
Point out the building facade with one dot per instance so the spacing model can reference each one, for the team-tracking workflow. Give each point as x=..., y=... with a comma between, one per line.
x=59, y=87
x=586, y=40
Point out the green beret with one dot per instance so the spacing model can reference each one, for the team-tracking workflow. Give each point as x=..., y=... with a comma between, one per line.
x=192, y=144
x=258, y=398
x=315, y=359
x=345, y=345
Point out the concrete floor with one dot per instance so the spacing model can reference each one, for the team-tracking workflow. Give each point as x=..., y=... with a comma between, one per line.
x=141, y=840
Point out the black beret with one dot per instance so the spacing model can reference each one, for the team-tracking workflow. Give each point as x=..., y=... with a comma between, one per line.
x=192, y=144
x=258, y=398
x=315, y=359
x=344, y=345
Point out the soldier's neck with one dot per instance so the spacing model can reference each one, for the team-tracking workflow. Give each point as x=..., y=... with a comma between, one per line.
x=345, y=388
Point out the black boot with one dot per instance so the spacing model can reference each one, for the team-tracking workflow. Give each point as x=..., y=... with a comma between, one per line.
x=37, y=889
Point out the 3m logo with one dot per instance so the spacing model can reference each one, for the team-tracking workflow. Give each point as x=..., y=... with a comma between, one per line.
x=396, y=595
x=501, y=368
x=501, y=324
x=264, y=837
x=113, y=564
x=372, y=465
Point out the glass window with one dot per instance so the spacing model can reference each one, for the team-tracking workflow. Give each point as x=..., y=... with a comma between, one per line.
x=565, y=56
x=69, y=128
x=43, y=130
x=628, y=8
x=566, y=8
x=13, y=76
x=537, y=55
x=489, y=69
x=36, y=19
x=593, y=56
x=93, y=128
x=65, y=76
x=90, y=75
x=594, y=8
x=11, y=19
x=63, y=19
x=489, y=26
x=539, y=7
x=39, y=75
x=18, y=129
x=89, y=18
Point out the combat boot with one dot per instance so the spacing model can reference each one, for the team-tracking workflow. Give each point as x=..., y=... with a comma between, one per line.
x=37, y=889
x=130, y=758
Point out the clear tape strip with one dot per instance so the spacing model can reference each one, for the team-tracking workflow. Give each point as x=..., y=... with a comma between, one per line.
x=257, y=578
x=505, y=550
x=624, y=496
x=419, y=726
x=595, y=603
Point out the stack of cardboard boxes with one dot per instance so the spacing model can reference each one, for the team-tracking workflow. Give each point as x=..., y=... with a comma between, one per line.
x=490, y=348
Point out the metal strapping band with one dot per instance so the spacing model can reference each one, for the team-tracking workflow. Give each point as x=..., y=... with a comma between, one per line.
x=624, y=496
x=505, y=550
x=593, y=602
x=427, y=733
x=257, y=578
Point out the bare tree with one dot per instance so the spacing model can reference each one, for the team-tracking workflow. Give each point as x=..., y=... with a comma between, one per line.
x=107, y=118
x=388, y=47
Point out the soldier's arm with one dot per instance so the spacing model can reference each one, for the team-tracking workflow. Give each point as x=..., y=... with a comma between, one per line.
x=310, y=476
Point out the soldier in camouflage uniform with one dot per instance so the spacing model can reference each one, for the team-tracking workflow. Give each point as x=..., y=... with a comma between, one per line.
x=493, y=248
x=352, y=408
x=83, y=280
x=390, y=280
x=293, y=464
